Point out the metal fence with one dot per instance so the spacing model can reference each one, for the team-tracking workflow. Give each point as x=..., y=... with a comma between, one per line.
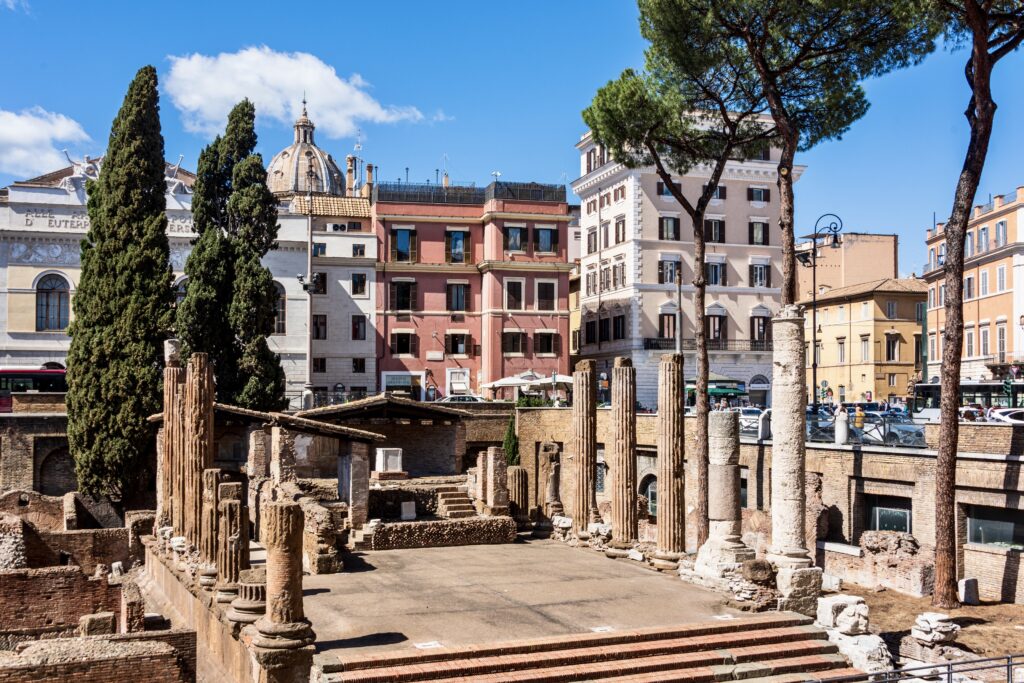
x=426, y=193
x=537, y=192
x=875, y=430
x=1009, y=669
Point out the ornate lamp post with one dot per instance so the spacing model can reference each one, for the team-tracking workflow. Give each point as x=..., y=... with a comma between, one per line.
x=828, y=227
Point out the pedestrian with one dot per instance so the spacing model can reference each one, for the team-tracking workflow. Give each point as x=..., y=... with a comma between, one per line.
x=858, y=418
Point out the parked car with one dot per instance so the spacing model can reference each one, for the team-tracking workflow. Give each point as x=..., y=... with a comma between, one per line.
x=1007, y=416
x=892, y=429
x=749, y=418
x=461, y=398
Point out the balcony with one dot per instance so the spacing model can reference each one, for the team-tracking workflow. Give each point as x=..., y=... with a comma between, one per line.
x=664, y=344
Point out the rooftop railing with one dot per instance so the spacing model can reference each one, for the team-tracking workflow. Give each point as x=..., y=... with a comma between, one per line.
x=534, y=192
x=426, y=193
x=669, y=344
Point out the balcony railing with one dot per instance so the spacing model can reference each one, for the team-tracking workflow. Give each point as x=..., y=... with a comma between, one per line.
x=667, y=344
x=426, y=193
x=535, y=192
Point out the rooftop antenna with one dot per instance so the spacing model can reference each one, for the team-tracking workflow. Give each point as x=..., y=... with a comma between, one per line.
x=496, y=174
x=406, y=174
x=358, y=147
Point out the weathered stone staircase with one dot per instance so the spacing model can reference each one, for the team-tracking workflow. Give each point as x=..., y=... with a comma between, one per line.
x=781, y=647
x=453, y=503
x=360, y=539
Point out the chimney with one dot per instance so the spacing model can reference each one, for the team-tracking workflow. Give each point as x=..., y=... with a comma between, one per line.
x=445, y=181
x=350, y=175
x=368, y=185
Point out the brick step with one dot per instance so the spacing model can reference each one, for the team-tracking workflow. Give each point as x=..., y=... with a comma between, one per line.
x=759, y=622
x=704, y=665
x=450, y=507
x=710, y=649
x=770, y=671
x=461, y=514
x=443, y=495
x=825, y=675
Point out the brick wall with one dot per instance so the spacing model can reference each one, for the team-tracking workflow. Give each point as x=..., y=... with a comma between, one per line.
x=471, y=531
x=981, y=438
x=44, y=402
x=84, y=547
x=998, y=571
x=85, y=660
x=52, y=599
x=429, y=447
x=19, y=454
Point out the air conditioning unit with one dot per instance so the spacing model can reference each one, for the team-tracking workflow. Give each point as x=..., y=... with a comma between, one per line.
x=337, y=227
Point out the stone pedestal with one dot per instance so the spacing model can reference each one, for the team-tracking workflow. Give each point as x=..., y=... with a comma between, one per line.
x=251, y=603
x=497, y=482
x=798, y=589
x=519, y=495
x=788, y=498
x=724, y=550
x=623, y=458
x=671, y=474
x=284, y=626
x=233, y=541
x=584, y=446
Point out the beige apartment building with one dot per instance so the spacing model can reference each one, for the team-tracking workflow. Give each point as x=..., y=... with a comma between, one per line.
x=993, y=305
x=637, y=240
x=860, y=257
x=868, y=344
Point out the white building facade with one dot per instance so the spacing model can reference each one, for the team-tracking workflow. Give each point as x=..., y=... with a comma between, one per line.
x=636, y=240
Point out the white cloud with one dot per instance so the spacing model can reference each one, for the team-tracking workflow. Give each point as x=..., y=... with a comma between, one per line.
x=14, y=5
x=205, y=88
x=28, y=141
x=440, y=117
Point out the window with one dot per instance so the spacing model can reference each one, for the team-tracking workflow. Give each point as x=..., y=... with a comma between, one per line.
x=620, y=230
x=760, y=275
x=668, y=271
x=919, y=312
x=865, y=310
x=841, y=314
x=319, y=284
x=1000, y=234
x=619, y=327
x=969, y=287
x=457, y=296
x=545, y=240
x=931, y=259
x=320, y=365
x=457, y=344
x=180, y=291
x=358, y=284
x=983, y=240
x=931, y=346
x=716, y=328
x=892, y=379
x=545, y=296
x=591, y=330
x=718, y=193
x=983, y=283
x=760, y=330
x=403, y=295
x=514, y=300
x=668, y=228
x=758, y=233
x=744, y=486
x=604, y=329
x=983, y=340
x=667, y=325
x=715, y=274
x=319, y=249
x=606, y=279
x=545, y=343
x=604, y=236
x=403, y=245
x=575, y=340
x=602, y=470
x=931, y=297
x=865, y=349
x=714, y=231
x=359, y=365
x=969, y=244
x=817, y=353
x=515, y=238
x=358, y=250
x=1001, y=527
x=841, y=351
x=1001, y=279
x=942, y=254
x=1001, y=340
x=942, y=295
x=404, y=344
x=319, y=326
x=890, y=309
x=969, y=343
x=52, y=304
x=592, y=241
x=887, y=513
x=513, y=342
x=280, y=306
x=649, y=490
x=892, y=348
x=664, y=190
x=359, y=328
x=759, y=194
x=457, y=246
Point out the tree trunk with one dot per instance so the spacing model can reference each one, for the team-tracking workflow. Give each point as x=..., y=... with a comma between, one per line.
x=786, y=221
x=980, y=113
x=700, y=390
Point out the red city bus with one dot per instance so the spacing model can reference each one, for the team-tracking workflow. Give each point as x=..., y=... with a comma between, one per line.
x=22, y=379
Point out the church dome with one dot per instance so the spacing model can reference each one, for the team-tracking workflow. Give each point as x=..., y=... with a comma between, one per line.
x=288, y=172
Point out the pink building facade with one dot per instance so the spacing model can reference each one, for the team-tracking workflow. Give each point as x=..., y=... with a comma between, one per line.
x=472, y=285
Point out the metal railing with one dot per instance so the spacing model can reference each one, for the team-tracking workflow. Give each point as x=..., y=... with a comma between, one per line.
x=537, y=192
x=669, y=344
x=1009, y=669
x=426, y=193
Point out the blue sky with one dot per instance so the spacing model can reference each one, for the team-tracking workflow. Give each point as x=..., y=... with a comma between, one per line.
x=489, y=86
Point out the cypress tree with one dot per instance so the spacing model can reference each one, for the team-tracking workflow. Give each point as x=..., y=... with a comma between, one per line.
x=252, y=212
x=122, y=306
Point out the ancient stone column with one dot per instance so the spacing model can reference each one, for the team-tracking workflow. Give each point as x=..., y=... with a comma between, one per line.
x=584, y=445
x=497, y=482
x=251, y=603
x=282, y=455
x=258, y=464
x=480, y=492
x=284, y=625
x=232, y=540
x=208, y=528
x=671, y=450
x=724, y=549
x=519, y=495
x=623, y=458
x=788, y=547
x=166, y=455
x=551, y=460
x=177, y=438
x=199, y=388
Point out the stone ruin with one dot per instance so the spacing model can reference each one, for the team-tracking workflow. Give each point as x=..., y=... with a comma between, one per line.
x=845, y=619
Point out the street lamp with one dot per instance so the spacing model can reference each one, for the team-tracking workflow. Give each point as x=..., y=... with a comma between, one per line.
x=828, y=227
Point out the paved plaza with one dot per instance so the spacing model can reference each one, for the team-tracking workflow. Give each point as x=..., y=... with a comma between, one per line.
x=476, y=594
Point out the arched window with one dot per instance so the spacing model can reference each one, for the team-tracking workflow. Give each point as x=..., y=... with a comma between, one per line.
x=280, y=308
x=179, y=291
x=52, y=304
x=649, y=490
